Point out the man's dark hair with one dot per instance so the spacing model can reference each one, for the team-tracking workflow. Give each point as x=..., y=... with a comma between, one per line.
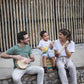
x=67, y=33
x=42, y=32
x=20, y=36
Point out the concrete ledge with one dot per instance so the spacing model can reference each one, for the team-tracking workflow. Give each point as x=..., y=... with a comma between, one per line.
x=77, y=57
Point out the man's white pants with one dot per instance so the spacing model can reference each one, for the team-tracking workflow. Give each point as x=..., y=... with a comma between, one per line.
x=62, y=63
x=18, y=73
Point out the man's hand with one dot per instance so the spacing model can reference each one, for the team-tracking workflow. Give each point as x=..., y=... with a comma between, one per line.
x=27, y=60
x=18, y=57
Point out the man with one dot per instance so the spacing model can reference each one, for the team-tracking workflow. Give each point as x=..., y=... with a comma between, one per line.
x=18, y=52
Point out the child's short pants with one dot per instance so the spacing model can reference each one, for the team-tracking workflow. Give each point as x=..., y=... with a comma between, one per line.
x=48, y=54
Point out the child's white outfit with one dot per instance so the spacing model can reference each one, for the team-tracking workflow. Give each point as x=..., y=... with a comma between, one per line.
x=44, y=44
x=62, y=62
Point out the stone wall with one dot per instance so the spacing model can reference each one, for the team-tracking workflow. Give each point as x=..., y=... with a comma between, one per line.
x=49, y=78
x=80, y=75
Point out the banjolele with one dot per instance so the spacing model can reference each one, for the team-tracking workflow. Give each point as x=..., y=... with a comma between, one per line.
x=46, y=48
x=21, y=64
x=63, y=46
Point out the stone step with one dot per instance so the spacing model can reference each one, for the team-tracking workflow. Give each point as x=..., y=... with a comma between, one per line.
x=49, y=78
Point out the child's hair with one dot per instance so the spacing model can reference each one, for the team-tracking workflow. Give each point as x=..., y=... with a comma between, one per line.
x=42, y=32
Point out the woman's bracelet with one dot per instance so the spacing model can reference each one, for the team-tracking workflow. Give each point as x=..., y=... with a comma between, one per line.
x=65, y=47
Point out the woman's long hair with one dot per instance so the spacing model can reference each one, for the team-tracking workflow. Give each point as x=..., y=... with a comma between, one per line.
x=66, y=33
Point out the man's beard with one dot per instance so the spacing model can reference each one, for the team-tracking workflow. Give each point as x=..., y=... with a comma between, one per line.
x=26, y=43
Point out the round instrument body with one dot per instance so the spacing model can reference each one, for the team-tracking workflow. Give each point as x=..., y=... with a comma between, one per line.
x=21, y=64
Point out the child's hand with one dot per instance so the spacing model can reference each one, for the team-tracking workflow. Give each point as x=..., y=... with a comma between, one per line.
x=51, y=45
x=43, y=49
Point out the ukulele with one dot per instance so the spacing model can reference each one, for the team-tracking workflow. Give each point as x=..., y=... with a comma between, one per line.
x=46, y=48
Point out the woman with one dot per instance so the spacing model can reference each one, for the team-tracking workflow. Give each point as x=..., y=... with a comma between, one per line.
x=64, y=57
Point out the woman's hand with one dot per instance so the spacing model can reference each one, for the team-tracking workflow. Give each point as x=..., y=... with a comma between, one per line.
x=67, y=43
x=57, y=53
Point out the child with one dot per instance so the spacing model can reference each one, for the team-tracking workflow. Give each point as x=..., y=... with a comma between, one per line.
x=46, y=43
